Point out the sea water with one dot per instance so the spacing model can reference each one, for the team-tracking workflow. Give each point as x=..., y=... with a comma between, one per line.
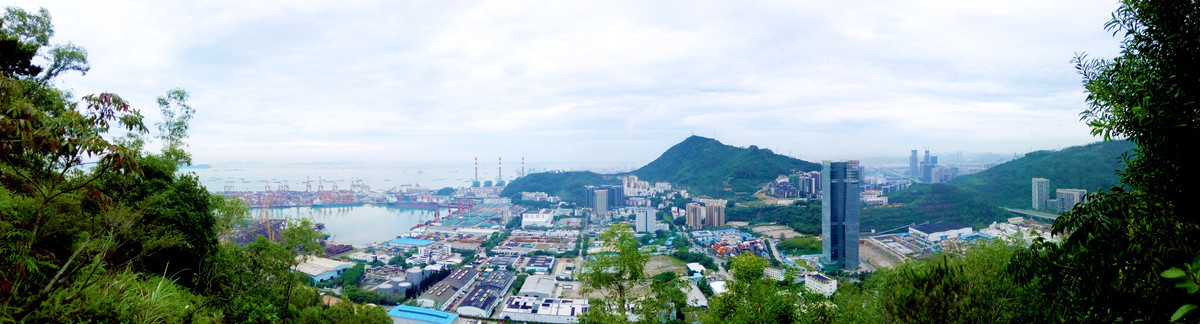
x=362, y=224
x=358, y=225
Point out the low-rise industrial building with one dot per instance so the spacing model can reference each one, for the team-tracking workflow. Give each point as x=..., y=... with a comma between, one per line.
x=543, y=310
x=541, y=218
x=538, y=286
x=415, y=315
x=321, y=269
x=540, y=264
x=933, y=233
x=440, y=294
x=481, y=300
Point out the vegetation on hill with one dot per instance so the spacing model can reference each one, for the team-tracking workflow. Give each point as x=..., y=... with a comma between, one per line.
x=1091, y=167
x=937, y=202
x=705, y=166
x=566, y=185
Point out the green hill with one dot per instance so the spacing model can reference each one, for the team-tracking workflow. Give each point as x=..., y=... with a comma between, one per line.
x=565, y=185
x=705, y=166
x=932, y=203
x=1091, y=167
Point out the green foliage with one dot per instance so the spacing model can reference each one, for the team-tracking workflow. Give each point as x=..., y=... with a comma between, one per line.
x=936, y=202
x=446, y=191
x=754, y=299
x=1187, y=279
x=353, y=275
x=1092, y=167
x=566, y=185
x=800, y=245
x=1109, y=268
x=704, y=166
x=972, y=284
x=804, y=219
x=173, y=129
x=616, y=273
x=701, y=258
x=518, y=282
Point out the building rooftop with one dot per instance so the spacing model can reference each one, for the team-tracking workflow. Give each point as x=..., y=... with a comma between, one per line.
x=461, y=276
x=314, y=266
x=441, y=292
x=540, y=261
x=482, y=297
x=818, y=277
x=939, y=227
x=410, y=241
x=498, y=278
x=546, y=306
x=422, y=314
x=541, y=284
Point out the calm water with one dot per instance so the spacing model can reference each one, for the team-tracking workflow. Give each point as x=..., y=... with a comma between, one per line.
x=354, y=225
x=358, y=225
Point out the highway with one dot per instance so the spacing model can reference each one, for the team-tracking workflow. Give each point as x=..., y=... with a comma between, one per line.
x=1034, y=214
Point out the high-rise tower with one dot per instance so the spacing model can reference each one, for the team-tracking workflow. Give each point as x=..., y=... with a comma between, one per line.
x=1041, y=194
x=840, y=209
x=914, y=165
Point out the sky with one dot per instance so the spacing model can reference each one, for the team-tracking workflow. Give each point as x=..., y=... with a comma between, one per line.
x=614, y=81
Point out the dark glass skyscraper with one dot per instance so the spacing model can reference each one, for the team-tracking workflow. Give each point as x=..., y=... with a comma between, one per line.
x=840, y=209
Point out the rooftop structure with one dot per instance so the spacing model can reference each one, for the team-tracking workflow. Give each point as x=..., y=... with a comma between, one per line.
x=321, y=269
x=820, y=284
x=409, y=242
x=447, y=289
x=540, y=263
x=933, y=233
x=409, y=314
x=544, y=310
x=539, y=286
x=481, y=300
x=541, y=218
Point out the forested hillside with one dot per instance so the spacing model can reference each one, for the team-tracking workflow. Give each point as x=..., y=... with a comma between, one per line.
x=932, y=203
x=1091, y=167
x=707, y=167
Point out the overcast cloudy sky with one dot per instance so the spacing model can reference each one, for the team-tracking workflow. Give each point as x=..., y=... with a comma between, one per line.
x=445, y=81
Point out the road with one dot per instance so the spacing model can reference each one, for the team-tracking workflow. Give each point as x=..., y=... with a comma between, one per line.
x=1035, y=214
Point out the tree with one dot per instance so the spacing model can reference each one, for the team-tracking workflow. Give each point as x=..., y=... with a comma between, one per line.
x=1123, y=238
x=754, y=299
x=615, y=272
x=173, y=129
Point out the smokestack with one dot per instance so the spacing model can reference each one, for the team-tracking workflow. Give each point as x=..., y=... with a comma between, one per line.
x=499, y=168
x=476, y=169
x=522, y=166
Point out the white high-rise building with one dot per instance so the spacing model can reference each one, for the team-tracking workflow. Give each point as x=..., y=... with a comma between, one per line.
x=1068, y=198
x=1041, y=194
x=644, y=221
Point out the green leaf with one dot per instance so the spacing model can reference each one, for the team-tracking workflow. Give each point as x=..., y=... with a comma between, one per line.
x=1182, y=311
x=1173, y=273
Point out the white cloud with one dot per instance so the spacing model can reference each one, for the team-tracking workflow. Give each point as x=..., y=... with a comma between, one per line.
x=612, y=80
